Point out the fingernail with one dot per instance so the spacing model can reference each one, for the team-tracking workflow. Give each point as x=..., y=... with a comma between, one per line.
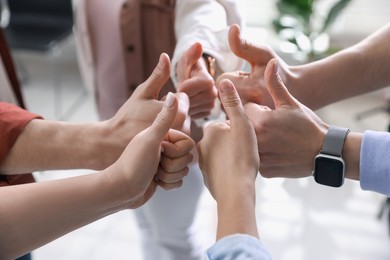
x=170, y=100
x=226, y=87
x=162, y=62
x=276, y=69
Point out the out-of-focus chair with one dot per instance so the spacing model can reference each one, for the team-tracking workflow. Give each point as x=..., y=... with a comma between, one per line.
x=39, y=26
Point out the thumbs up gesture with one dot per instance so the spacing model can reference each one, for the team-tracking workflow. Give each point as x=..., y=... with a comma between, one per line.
x=195, y=80
x=288, y=137
x=141, y=167
x=138, y=113
x=228, y=155
x=250, y=85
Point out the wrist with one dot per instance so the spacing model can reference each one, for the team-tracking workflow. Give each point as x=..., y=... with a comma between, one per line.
x=105, y=146
x=236, y=213
x=116, y=188
x=232, y=193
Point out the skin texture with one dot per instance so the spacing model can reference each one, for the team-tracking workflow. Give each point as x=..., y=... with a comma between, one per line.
x=34, y=214
x=364, y=68
x=290, y=135
x=230, y=176
x=54, y=145
x=195, y=80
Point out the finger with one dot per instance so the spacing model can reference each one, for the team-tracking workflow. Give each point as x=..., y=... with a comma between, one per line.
x=276, y=87
x=254, y=112
x=160, y=75
x=193, y=54
x=197, y=112
x=164, y=119
x=176, y=164
x=170, y=186
x=204, y=98
x=184, y=103
x=246, y=50
x=172, y=177
x=231, y=101
x=179, y=148
x=196, y=85
x=183, y=100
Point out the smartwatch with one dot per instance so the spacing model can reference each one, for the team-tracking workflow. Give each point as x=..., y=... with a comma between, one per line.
x=329, y=166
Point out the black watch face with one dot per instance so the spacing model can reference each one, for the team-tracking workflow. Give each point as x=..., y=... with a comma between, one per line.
x=329, y=171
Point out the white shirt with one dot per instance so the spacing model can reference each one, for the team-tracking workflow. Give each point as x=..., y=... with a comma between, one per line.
x=207, y=22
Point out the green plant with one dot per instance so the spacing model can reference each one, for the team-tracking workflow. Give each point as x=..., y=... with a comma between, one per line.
x=306, y=37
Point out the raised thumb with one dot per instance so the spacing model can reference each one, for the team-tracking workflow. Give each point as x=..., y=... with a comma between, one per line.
x=160, y=75
x=194, y=53
x=276, y=87
x=231, y=101
x=246, y=50
x=164, y=119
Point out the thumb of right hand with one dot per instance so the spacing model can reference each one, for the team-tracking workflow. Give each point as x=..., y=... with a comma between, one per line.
x=231, y=100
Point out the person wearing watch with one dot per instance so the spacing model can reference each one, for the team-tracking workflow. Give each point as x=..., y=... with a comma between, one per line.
x=201, y=28
x=290, y=135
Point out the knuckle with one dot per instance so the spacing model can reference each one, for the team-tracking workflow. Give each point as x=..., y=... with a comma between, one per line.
x=231, y=101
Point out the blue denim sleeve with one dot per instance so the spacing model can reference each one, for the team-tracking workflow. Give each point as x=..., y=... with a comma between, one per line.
x=375, y=162
x=237, y=247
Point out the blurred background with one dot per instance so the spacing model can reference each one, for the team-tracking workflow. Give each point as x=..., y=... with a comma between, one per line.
x=297, y=219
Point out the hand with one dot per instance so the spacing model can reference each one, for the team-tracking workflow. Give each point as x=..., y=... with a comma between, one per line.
x=139, y=112
x=195, y=80
x=288, y=137
x=137, y=171
x=229, y=161
x=228, y=155
x=250, y=86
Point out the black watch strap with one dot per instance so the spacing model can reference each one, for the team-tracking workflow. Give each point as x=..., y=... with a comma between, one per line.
x=334, y=140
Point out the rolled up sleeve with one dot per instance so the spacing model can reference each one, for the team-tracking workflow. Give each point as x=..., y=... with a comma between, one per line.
x=375, y=162
x=237, y=247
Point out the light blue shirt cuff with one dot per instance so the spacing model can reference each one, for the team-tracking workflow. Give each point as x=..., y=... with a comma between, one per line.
x=375, y=162
x=237, y=247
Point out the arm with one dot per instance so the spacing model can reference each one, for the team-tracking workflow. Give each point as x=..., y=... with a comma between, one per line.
x=34, y=214
x=13, y=120
x=229, y=161
x=231, y=181
x=290, y=136
x=359, y=69
x=45, y=145
x=206, y=22
x=201, y=28
x=49, y=145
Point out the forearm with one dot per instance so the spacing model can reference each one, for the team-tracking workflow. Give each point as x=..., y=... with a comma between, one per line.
x=236, y=212
x=206, y=22
x=35, y=214
x=49, y=145
x=353, y=71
